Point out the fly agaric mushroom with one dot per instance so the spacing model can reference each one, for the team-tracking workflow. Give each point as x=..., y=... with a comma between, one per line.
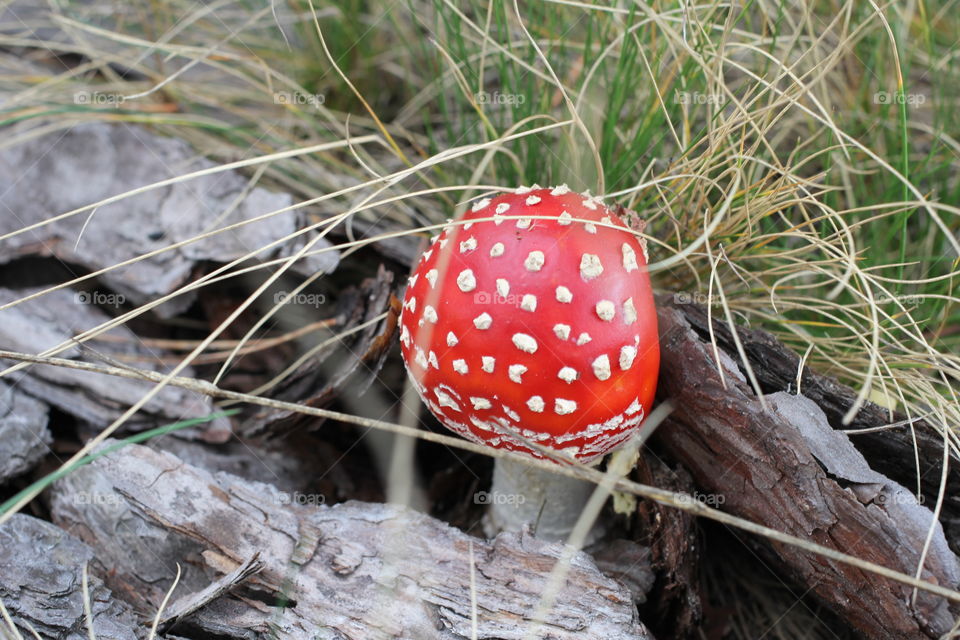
x=534, y=321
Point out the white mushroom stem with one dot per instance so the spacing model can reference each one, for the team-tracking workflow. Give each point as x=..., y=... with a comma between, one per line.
x=549, y=502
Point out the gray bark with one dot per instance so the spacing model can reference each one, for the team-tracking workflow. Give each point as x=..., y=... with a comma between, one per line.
x=353, y=570
x=39, y=324
x=62, y=171
x=403, y=249
x=41, y=585
x=24, y=436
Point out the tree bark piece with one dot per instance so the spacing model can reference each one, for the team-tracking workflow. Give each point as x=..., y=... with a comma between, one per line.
x=672, y=607
x=42, y=323
x=195, y=601
x=24, y=436
x=41, y=585
x=354, y=570
x=892, y=452
x=66, y=170
x=787, y=469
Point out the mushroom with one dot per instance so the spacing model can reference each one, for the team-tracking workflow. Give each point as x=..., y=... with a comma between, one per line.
x=532, y=321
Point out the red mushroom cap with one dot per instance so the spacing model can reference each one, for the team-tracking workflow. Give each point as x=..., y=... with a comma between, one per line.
x=544, y=328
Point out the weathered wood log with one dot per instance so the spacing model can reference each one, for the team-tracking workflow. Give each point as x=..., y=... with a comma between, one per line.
x=41, y=585
x=353, y=570
x=24, y=436
x=786, y=468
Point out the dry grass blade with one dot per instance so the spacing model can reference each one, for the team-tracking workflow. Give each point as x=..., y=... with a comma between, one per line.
x=163, y=605
x=10, y=631
x=87, y=610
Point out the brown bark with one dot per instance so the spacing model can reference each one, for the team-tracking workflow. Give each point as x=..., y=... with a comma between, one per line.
x=344, y=370
x=786, y=468
x=776, y=369
x=673, y=607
